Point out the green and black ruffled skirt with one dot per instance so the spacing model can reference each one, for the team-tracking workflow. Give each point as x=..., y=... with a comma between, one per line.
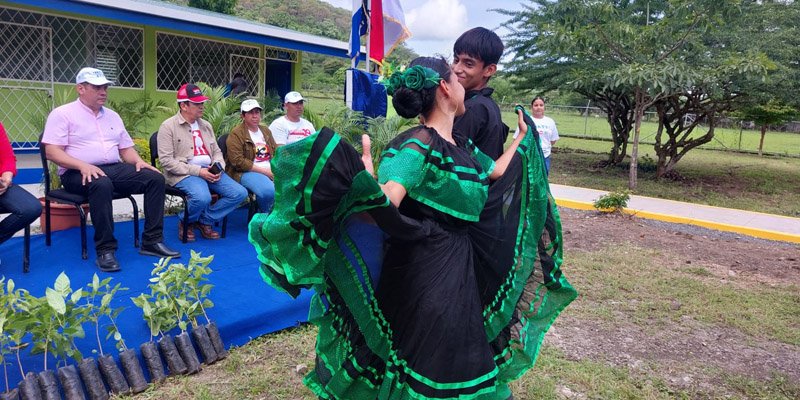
x=410, y=308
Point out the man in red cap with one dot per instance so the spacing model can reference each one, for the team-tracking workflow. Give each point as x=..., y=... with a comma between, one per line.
x=96, y=157
x=193, y=163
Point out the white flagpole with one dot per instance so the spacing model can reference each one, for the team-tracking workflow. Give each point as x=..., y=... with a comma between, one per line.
x=368, y=5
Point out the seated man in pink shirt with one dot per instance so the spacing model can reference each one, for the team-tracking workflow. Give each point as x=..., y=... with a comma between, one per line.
x=96, y=157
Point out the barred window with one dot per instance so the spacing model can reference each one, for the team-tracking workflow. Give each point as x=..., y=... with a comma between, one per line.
x=74, y=43
x=181, y=59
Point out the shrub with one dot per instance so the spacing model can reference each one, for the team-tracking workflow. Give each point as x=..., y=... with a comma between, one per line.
x=613, y=201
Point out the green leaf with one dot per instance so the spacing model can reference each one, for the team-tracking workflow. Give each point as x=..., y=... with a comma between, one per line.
x=62, y=284
x=10, y=286
x=95, y=282
x=55, y=301
x=106, y=300
x=76, y=296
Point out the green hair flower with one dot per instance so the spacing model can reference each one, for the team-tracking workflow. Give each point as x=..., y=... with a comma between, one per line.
x=414, y=78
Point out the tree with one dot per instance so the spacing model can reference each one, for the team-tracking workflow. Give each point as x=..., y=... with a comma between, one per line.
x=771, y=113
x=772, y=26
x=633, y=53
x=220, y=6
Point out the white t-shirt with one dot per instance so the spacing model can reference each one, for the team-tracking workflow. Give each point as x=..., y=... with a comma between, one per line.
x=201, y=156
x=548, y=133
x=287, y=132
x=263, y=154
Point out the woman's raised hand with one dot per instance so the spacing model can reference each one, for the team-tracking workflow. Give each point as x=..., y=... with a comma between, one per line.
x=523, y=127
x=366, y=154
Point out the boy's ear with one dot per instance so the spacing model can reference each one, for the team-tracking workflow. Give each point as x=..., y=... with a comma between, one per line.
x=489, y=70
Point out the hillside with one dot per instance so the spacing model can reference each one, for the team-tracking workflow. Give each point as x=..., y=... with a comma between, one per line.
x=321, y=73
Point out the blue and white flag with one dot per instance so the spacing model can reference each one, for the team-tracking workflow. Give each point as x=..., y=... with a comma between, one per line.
x=358, y=27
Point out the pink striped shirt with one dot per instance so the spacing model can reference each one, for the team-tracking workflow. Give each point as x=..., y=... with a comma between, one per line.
x=95, y=139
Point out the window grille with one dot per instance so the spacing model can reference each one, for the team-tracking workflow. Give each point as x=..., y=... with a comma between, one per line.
x=76, y=43
x=181, y=59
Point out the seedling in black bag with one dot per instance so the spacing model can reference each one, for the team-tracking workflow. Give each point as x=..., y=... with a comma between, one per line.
x=14, y=324
x=61, y=318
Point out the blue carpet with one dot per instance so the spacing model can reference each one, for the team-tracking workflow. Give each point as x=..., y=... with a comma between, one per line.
x=244, y=306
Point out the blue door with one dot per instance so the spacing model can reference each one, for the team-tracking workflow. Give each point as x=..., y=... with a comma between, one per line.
x=279, y=77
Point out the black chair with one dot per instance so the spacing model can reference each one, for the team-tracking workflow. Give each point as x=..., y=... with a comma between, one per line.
x=173, y=191
x=64, y=197
x=252, y=204
x=26, y=252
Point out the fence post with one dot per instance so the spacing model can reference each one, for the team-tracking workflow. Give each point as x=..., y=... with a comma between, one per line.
x=740, y=134
x=586, y=118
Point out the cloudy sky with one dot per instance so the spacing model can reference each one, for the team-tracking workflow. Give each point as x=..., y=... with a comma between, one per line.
x=436, y=24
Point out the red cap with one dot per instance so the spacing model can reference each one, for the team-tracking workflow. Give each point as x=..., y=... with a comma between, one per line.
x=190, y=92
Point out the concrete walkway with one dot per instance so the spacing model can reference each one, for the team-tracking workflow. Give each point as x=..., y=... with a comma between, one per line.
x=765, y=226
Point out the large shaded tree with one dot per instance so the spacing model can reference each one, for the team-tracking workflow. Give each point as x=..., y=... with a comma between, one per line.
x=220, y=6
x=635, y=53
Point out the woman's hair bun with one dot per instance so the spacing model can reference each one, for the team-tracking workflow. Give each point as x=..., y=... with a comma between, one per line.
x=407, y=102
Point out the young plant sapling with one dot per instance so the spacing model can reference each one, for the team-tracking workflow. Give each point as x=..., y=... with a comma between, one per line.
x=101, y=292
x=13, y=327
x=61, y=320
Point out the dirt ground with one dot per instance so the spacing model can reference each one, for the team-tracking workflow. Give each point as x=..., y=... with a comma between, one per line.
x=685, y=350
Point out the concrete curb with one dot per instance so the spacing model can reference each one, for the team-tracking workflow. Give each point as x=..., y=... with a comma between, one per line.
x=744, y=230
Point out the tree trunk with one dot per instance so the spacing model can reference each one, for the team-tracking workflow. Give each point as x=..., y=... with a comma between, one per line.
x=761, y=142
x=639, y=112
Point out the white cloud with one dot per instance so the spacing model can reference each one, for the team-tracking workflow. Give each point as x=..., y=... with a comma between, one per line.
x=437, y=20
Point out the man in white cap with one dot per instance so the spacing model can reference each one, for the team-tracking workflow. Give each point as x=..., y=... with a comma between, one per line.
x=291, y=127
x=250, y=149
x=193, y=163
x=96, y=158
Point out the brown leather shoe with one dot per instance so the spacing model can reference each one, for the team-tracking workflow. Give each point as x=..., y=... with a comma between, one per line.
x=207, y=231
x=189, y=232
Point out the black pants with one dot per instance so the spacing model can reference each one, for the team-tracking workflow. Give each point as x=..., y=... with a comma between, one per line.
x=121, y=178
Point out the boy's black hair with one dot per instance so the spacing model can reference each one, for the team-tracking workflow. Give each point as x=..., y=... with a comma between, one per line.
x=480, y=43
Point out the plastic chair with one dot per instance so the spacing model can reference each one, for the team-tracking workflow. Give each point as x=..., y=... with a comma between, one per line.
x=252, y=204
x=173, y=191
x=64, y=197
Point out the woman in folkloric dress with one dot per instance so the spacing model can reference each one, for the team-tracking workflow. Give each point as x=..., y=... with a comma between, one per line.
x=439, y=280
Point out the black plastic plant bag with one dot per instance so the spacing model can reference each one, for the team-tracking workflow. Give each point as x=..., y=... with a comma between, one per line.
x=133, y=369
x=12, y=394
x=71, y=383
x=29, y=387
x=112, y=375
x=184, y=344
x=91, y=377
x=155, y=366
x=200, y=336
x=175, y=363
x=216, y=340
x=48, y=384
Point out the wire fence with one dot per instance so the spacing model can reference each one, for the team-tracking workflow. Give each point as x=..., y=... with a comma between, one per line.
x=730, y=134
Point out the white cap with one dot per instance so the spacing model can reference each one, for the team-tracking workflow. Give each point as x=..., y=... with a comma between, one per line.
x=250, y=104
x=293, y=97
x=93, y=76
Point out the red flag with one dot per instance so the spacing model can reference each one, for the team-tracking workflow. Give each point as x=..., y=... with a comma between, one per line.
x=376, y=31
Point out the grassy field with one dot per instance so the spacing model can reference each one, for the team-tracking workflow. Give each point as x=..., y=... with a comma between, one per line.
x=594, y=126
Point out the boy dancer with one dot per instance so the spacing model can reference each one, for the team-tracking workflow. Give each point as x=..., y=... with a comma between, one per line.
x=476, y=54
